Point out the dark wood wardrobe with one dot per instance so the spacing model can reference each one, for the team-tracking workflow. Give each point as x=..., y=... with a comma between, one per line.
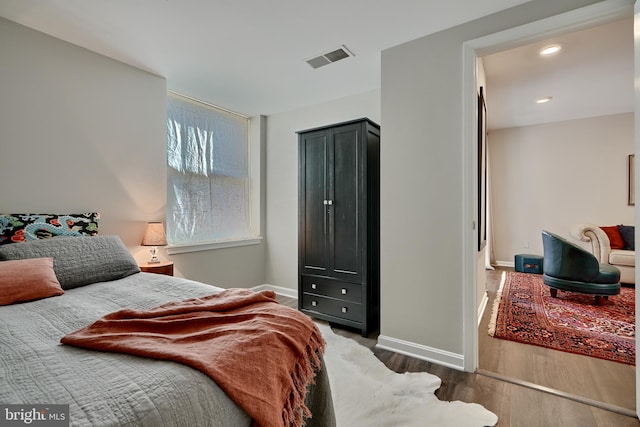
x=339, y=224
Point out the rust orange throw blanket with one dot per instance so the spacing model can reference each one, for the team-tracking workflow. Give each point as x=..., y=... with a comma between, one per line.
x=262, y=354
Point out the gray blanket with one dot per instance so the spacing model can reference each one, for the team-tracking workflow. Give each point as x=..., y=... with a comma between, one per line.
x=109, y=389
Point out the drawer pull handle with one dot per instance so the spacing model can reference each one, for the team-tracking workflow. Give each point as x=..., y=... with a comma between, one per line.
x=314, y=286
x=314, y=303
x=345, y=309
x=344, y=291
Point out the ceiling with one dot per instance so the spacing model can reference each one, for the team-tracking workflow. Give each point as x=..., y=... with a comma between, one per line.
x=249, y=55
x=591, y=76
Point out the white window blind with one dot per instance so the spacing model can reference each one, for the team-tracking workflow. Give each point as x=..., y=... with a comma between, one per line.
x=208, y=195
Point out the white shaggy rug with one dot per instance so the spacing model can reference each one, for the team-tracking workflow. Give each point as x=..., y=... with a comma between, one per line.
x=368, y=394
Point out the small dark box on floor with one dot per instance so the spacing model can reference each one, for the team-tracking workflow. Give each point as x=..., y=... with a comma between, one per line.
x=527, y=263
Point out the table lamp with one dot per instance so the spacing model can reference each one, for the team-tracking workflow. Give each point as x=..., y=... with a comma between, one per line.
x=154, y=236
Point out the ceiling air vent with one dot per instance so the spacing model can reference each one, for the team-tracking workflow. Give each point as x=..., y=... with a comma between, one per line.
x=329, y=57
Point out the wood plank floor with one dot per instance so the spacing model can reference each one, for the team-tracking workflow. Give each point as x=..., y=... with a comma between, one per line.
x=515, y=405
x=588, y=377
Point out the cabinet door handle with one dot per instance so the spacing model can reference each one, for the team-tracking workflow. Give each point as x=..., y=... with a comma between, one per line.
x=314, y=286
x=327, y=202
x=343, y=291
x=345, y=309
x=314, y=303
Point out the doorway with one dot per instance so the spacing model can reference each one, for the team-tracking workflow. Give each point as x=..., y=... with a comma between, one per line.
x=586, y=17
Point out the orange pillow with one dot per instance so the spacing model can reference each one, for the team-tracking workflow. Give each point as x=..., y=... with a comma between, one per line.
x=615, y=238
x=27, y=280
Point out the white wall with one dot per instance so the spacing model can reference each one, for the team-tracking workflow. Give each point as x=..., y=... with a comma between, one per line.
x=84, y=133
x=422, y=206
x=282, y=176
x=80, y=132
x=554, y=175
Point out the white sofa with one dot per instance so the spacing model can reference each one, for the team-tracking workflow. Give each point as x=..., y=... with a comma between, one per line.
x=625, y=260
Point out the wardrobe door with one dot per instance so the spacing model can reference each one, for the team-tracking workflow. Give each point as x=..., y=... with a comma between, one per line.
x=347, y=192
x=313, y=192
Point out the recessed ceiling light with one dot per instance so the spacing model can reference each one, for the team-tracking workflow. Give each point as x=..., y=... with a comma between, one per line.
x=550, y=50
x=543, y=100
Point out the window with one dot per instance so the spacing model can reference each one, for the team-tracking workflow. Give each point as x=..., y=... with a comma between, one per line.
x=208, y=186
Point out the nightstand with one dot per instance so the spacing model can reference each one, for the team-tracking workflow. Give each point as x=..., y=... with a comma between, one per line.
x=162, y=267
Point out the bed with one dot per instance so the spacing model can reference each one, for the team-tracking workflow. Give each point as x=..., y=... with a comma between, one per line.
x=100, y=277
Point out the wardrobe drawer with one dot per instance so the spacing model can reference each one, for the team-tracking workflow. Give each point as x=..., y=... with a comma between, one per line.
x=332, y=288
x=332, y=307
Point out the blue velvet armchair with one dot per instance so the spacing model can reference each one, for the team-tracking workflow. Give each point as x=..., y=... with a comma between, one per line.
x=568, y=267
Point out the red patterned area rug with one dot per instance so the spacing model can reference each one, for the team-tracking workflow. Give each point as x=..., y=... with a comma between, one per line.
x=525, y=312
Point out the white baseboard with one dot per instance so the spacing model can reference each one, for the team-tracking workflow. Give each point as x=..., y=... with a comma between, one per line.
x=483, y=306
x=286, y=292
x=511, y=264
x=419, y=351
x=422, y=352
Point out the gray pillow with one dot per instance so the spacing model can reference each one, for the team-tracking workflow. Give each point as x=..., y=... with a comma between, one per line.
x=78, y=261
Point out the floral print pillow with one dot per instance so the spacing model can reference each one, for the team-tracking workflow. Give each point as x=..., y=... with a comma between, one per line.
x=22, y=227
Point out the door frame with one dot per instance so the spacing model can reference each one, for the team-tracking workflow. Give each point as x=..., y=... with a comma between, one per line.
x=595, y=14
